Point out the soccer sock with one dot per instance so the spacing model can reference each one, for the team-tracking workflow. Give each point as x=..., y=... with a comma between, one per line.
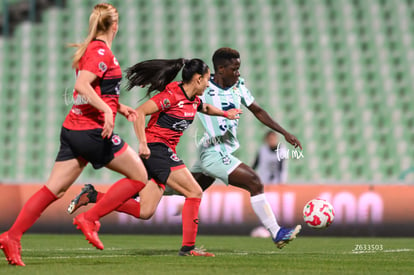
x=117, y=194
x=31, y=211
x=99, y=196
x=264, y=212
x=130, y=207
x=190, y=220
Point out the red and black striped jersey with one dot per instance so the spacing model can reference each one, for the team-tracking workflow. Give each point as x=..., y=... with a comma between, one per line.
x=176, y=113
x=98, y=59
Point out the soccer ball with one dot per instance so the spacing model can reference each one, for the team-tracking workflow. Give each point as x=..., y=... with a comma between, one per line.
x=318, y=213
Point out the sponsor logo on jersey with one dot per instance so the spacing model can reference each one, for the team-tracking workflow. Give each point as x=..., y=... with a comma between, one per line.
x=227, y=106
x=181, y=125
x=101, y=51
x=189, y=114
x=166, y=104
x=116, y=140
x=212, y=92
x=102, y=66
x=180, y=104
x=226, y=160
x=223, y=125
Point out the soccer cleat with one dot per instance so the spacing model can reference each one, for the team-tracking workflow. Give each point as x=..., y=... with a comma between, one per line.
x=200, y=252
x=12, y=249
x=90, y=230
x=87, y=195
x=285, y=235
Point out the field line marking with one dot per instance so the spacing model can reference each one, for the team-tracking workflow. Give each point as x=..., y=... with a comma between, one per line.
x=70, y=249
x=79, y=257
x=382, y=251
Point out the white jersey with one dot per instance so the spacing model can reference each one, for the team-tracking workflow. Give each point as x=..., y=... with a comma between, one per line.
x=220, y=133
x=269, y=166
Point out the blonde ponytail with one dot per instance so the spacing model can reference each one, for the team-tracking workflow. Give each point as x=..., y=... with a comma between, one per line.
x=100, y=20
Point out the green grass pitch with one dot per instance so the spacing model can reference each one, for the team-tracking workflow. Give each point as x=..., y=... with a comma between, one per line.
x=142, y=254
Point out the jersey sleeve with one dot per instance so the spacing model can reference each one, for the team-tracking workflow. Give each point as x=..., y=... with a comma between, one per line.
x=200, y=105
x=164, y=100
x=96, y=60
x=246, y=97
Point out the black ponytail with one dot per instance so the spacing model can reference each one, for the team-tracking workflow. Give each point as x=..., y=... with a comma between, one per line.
x=158, y=73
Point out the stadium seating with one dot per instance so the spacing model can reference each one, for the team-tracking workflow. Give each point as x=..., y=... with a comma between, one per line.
x=336, y=73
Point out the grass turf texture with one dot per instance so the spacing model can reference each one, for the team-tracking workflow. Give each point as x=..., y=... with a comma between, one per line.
x=142, y=254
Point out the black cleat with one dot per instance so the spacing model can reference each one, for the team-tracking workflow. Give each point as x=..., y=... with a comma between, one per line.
x=87, y=195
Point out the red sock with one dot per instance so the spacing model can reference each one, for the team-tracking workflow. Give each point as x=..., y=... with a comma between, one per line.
x=130, y=207
x=99, y=196
x=117, y=194
x=31, y=211
x=190, y=220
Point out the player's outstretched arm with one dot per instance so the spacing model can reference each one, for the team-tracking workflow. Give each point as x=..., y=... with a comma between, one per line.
x=128, y=112
x=267, y=120
x=209, y=109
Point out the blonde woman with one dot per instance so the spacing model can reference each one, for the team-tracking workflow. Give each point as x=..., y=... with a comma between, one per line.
x=86, y=136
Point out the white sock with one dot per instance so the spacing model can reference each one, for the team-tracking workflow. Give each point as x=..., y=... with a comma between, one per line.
x=264, y=212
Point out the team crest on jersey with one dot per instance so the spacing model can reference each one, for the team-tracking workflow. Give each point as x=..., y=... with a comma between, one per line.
x=166, y=103
x=116, y=140
x=102, y=66
x=173, y=156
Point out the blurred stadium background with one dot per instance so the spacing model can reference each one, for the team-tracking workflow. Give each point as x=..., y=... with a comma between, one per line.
x=336, y=73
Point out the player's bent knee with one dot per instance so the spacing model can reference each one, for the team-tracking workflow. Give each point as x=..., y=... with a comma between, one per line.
x=195, y=194
x=146, y=213
x=255, y=186
x=58, y=191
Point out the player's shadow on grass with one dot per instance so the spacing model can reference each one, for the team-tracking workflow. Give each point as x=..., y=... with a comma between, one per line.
x=149, y=252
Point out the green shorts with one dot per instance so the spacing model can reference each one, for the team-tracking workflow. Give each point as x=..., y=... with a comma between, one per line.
x=215, y=164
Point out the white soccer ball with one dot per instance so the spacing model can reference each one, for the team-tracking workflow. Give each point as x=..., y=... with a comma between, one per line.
x=318, y=213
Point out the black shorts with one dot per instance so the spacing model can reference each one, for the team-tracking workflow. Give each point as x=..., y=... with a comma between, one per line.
x=90, y=146
x=161, y=162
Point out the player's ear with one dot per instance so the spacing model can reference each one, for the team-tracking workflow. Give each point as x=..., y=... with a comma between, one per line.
x=115, y=27
x=199, y=79
x=220, y=69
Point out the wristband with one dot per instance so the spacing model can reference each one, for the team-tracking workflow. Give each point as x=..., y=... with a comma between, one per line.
x=225, y=114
